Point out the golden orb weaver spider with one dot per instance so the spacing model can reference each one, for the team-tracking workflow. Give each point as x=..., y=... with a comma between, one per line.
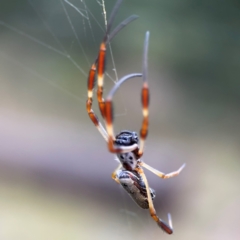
x=130, y=172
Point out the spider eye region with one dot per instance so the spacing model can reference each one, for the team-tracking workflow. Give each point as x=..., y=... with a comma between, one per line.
x=126, y=138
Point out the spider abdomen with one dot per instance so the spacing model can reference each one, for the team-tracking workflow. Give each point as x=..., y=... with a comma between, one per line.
x=135, y=187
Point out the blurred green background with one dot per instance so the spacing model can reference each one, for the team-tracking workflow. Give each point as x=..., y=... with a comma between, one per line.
x=54, y=166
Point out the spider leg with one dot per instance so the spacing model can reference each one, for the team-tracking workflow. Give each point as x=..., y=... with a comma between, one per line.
x=114, y=174
x=102, y=53
x=100, y=77
x=102, y=59
x=145, y=97
x=109, y=118
x=161, y=174
x=92, y=72
x=164, y=226
x=91, y=114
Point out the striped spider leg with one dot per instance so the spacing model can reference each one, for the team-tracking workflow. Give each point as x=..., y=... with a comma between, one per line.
x=99, y=66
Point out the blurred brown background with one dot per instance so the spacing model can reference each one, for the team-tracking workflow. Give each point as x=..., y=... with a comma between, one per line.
x=54, y=166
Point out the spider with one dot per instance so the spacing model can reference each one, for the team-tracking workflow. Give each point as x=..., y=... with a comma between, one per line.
x=125, y=145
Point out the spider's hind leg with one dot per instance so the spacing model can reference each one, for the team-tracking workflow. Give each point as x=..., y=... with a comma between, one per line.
x=168, y=228
x=164, y=226
x=114, y=174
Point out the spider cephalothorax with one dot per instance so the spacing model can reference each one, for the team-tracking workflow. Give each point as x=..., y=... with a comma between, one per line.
x=127, y=159
x=130, y=172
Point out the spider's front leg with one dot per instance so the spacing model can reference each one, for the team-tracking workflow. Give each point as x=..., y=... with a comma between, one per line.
x=115, y=148
x=99, y=67
x=100, y=77
x=91, y=114
x=145, y=97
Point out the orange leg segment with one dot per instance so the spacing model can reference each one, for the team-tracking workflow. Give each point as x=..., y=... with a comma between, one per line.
x=101, y=69
x=91, y=114
x=145, y=122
